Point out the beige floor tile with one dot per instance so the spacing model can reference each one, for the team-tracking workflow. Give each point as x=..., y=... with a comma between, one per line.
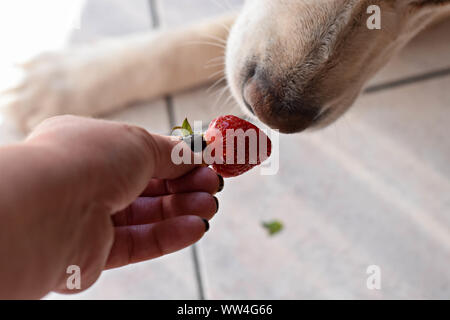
x=149, y=115
x=203, y=105
x=429, y=51
x=176, y=13
x=9, y=132
x=170, y=277
x=111, y=18
x=371, y=189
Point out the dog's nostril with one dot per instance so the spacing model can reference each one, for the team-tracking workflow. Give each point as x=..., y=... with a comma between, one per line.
x=249, y=107
x=247, y=87
x=244, y=98
x=251, y=71
x=273, y=104
x=248, y=79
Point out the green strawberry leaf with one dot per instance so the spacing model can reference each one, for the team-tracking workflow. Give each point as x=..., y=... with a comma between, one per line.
x=186, y=129
x=273, y=227
x=187, y=126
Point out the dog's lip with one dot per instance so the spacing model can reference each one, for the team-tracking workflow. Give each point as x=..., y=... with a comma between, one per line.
x=289, y=127
x=283, y=125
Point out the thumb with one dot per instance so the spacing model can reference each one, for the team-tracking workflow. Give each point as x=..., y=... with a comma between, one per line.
x=165, y=152
x=108, y=161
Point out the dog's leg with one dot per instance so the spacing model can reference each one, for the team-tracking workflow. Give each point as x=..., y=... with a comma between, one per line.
x=95, y=80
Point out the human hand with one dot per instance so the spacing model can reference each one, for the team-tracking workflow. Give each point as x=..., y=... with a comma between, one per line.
x=111, y=197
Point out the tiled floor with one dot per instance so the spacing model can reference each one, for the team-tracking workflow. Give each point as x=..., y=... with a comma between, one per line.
x=374, y=188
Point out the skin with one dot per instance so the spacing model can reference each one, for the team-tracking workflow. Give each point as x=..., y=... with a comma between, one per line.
x=95, y=194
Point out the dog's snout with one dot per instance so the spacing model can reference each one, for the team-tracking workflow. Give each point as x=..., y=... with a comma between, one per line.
x=276, y=104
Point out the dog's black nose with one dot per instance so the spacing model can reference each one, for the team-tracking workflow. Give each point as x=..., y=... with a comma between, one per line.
x=278, y=105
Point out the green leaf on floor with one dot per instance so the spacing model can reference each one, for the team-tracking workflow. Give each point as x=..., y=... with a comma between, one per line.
x=273, y=227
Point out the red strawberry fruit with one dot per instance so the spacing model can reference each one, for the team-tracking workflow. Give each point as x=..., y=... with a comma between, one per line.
x=235, y=145
x=237, y=129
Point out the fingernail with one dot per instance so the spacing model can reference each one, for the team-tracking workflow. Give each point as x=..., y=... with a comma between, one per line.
x=221, y=183
x=217, y=204
x=206, y=225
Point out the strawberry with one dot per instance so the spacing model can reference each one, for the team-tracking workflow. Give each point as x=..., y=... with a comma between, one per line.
x=217, y=138
x=220, y=126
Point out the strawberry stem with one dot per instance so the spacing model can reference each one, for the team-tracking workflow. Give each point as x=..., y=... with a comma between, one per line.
x=185, y=128
x=196, y=142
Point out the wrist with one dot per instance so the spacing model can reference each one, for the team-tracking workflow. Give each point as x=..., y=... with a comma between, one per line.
x=30, y=207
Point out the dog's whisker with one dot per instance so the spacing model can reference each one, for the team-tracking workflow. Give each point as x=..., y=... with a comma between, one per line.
x=211, y=37
x=214, y=87
x=230, y=98
x=213, y=44
x=215, y=62
x=217, y=93
x=219, y=58
x=215, y=65
x=222, y=93
x=225, y=27
x=217, y=104
x=215, y=84
x=222, y=64
x=214, y=74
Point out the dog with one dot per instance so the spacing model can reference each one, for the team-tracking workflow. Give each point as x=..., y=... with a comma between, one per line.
x=294, y=64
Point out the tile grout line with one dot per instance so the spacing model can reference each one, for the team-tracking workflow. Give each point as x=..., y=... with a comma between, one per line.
x=170, y=112
x=408, y=80
x=156, y=23
x=198, y=272
x=154, y=16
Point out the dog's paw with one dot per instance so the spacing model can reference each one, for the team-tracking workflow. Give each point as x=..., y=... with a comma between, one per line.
x=51, y=84
x=43, y=91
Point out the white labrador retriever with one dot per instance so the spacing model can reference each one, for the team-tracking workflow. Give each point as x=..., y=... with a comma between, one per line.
x=295, y=64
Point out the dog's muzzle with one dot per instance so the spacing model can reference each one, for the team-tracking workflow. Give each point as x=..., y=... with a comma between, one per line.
x=277, y=105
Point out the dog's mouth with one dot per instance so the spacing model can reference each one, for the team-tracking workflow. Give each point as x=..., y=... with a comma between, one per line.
x=290, y=111
x=289, y=126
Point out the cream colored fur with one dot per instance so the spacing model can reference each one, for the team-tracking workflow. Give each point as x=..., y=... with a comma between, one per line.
x=278, y=34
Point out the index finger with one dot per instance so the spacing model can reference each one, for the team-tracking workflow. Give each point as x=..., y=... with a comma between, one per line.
x=202, y=179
